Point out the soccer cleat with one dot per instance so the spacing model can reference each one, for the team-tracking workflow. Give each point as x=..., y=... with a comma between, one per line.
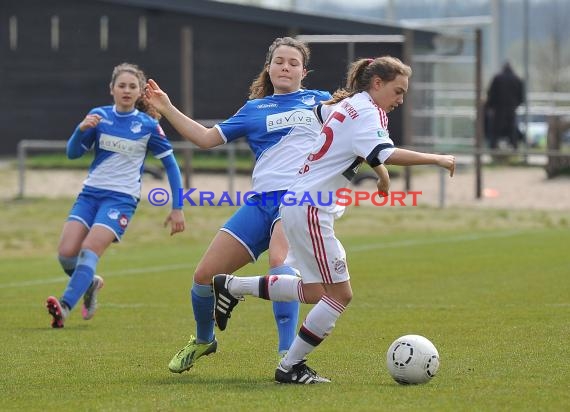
x=90, y=298
x=58, y=311
x=190, y=353
x=224, y=301
x=299, y=373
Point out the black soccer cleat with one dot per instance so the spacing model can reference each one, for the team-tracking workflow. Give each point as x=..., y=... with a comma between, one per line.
x=224, y=301
x=299, y=373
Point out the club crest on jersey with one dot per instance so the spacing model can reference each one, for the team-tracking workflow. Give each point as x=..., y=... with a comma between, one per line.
x=136, y=126
x=113, y=214
x=339, y=266
x=308, y=100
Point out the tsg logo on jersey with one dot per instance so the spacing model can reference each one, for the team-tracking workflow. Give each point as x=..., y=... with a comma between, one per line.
x=308, y=100
x=136, y=127
x=291, y=118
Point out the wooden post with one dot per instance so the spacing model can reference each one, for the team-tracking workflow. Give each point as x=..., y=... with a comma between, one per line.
x=187, y=90
x=478, y=114
x=407, y=126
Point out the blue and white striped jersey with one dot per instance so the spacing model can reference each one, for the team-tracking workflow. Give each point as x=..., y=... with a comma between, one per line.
x=280, y=130
x=121, y=141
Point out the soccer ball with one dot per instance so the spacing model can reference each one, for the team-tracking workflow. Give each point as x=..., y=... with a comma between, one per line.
x=412, y=359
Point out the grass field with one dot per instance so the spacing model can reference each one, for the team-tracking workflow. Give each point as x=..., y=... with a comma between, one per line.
x=491, y=289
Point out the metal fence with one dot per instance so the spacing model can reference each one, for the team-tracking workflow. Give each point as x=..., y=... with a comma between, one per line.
x=186, y=149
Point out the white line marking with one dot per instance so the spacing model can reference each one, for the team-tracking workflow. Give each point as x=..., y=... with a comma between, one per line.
x=361, y=248
x=125, y=272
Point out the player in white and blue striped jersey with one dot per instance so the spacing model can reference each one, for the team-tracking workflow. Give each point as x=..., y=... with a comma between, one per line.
x=280, y=127
x=121, y=136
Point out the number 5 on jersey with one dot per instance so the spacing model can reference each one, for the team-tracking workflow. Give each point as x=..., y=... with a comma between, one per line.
x=329, y=135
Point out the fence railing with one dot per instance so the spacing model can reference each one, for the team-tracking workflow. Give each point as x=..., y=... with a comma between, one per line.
x=184, y=149
x=465, y=156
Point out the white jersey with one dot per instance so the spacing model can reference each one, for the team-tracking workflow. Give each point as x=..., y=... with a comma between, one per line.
x=121, y=142
x=354, y=131
x=280, y=129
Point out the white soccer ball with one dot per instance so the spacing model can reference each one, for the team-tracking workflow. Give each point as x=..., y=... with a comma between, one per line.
x=412, y=359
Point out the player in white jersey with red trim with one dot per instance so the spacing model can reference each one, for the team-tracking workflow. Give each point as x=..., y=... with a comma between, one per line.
x=354, y=131
x=280, y=127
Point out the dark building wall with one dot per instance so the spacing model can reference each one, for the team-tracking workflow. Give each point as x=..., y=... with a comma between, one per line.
x=46, y=92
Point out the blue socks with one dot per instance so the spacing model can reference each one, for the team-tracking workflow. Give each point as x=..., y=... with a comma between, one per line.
x=81, y=278
x=203, y=306
x=68, y=264
x=286, y=313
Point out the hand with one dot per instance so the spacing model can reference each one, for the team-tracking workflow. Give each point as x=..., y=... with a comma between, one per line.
x=383, y=187
x=383, y=182
x=447, y=162
x=156, y=96
x=90, y=121
x=176, y=220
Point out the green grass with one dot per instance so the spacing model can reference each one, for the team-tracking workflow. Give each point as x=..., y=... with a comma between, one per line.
x=200, y=161
x=489, y=288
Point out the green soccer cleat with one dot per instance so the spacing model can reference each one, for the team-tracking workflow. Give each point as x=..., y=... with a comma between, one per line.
x=190, y=353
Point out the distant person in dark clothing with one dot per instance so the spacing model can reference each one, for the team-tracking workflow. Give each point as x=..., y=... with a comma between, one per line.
x=505, y=94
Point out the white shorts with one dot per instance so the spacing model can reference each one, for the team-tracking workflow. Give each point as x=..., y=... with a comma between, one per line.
x=313, y=248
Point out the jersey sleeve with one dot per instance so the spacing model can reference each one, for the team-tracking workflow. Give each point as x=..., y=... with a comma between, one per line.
x=372, y=140
x=158, y=143
x=236, y=126
x=81, y=142
x=174, y=179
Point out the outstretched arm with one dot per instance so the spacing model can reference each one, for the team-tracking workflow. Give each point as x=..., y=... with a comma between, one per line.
x=403, y=157
x=383, y=183
x=189, y=129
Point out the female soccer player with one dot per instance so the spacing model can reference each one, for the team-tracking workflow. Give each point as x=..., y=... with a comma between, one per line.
x=121, y=134
x=280, y=127
x=355, y=129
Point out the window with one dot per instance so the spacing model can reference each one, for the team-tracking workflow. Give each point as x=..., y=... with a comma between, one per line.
x=142, y=33
x=55, y=33
x=13, y=32
x=104, y=32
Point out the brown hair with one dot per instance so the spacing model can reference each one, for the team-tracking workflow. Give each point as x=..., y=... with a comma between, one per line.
x=361, y=72
x=261, y=85
x=141, y=104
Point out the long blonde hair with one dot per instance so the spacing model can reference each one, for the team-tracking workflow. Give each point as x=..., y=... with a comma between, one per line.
x=261, y=85
x=361, y=72
x=141, y=104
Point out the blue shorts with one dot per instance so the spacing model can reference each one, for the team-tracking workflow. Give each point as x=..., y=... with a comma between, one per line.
x=106, y=208
x=253, y=223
